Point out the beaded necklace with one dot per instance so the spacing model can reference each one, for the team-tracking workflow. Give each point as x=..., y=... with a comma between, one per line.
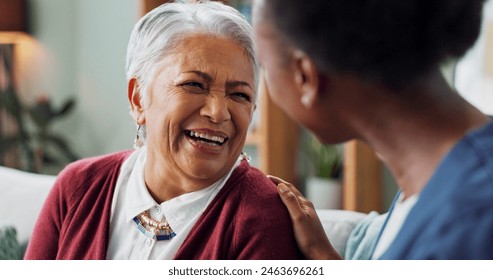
x=152, y=228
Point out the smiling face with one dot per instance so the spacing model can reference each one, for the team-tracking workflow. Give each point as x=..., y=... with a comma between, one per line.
x=199, y=104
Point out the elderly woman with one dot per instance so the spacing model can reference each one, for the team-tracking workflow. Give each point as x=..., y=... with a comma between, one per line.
x=186, y=192
x=370, y=70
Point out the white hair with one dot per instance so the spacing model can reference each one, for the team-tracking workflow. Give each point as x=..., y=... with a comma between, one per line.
x=159, y=32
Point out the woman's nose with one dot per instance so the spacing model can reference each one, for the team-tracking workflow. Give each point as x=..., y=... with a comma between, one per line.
x=216, y=108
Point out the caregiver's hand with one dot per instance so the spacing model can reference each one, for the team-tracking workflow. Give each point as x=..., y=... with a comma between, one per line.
x=308, y=229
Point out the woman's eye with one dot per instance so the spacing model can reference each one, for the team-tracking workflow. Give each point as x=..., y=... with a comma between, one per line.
x=194, y=85
x=242, y=96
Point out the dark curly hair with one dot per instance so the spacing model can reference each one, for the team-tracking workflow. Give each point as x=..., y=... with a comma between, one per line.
x=393, y=41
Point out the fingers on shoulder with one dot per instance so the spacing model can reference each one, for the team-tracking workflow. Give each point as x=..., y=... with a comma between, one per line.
x=278, y=181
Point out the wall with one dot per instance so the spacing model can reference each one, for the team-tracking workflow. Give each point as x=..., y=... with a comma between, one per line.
x=474, y=72
x=47, y=65
x=103, y=122
x=81, y=52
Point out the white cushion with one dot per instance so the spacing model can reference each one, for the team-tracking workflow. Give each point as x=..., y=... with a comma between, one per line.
x=21, y=199
x=338, y=225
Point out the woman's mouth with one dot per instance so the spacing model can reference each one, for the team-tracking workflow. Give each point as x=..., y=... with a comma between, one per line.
x=206, y=137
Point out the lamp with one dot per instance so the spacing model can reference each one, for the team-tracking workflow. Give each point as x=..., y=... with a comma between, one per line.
x=13, y=16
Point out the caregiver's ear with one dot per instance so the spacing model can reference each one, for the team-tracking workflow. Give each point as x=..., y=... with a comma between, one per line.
x=306, y=78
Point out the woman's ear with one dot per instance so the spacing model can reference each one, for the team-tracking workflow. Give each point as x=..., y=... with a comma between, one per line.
x=135, y=99
x=306, y=78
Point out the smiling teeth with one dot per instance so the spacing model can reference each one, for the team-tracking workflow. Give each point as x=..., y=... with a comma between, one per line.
x=207, y=137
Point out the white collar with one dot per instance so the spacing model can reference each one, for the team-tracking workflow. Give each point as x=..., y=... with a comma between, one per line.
x=179, y=210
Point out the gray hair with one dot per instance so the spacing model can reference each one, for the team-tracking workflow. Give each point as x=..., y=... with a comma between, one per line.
x=159, y=32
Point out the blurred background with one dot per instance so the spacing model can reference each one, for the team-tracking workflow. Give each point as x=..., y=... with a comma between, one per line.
x=64, y=51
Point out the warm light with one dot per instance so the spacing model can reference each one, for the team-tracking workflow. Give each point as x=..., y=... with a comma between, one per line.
x=12, y=37
x=34, y=68
x=33, y=65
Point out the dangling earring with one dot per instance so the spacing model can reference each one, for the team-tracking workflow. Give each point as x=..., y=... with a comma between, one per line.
x=138, y=143
x=246, y=156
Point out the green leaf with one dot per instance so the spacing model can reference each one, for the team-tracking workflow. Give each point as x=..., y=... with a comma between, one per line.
x=49, y=158
x=38, y=117
x=66, y=108
x=10, y=101
x=326, y=159
x=62, y=146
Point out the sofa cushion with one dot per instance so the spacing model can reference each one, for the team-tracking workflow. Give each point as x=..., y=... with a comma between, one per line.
x=338, y=225
x=21, y=199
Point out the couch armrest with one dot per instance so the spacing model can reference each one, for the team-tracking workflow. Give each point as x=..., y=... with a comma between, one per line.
x=21, y=199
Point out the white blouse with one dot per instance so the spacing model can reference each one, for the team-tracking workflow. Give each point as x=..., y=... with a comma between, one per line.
x=131, y=198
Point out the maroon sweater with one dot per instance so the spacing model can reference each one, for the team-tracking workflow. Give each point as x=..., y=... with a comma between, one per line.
x=246, y=220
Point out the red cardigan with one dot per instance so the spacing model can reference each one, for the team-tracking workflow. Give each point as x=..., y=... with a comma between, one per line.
x=246, y=220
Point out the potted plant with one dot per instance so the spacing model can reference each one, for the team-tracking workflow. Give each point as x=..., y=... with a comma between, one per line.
x=323, y=184
x=43, y=114
x=31, y=145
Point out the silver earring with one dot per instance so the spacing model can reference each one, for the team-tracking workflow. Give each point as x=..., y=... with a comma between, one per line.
x=138, y=142
x=246, y=156
x=305, y=100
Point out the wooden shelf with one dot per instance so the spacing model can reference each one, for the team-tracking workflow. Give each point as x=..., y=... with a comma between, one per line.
x=148, y=5
x=277, y=139
x=362, y=178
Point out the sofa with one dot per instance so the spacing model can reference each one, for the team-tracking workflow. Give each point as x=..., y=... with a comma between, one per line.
x=22, y=195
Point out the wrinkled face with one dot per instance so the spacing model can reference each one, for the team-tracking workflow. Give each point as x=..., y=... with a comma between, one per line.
x=199, y=106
